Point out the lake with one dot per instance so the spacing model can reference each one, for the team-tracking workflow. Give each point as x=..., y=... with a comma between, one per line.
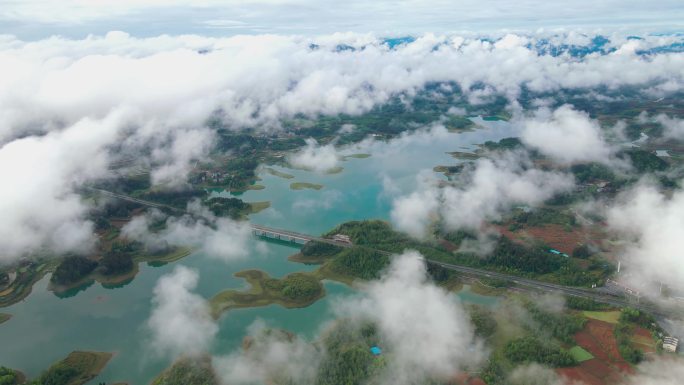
x=45, y=328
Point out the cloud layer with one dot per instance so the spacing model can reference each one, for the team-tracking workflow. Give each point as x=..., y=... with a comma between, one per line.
x=482, y=192
x=651, y=224
x=220, y=238
x=316, y=157
x=180, y=322
x=117, y=97
x=567, y=136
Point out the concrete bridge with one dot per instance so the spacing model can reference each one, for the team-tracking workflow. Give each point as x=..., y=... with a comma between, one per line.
x=291, y=236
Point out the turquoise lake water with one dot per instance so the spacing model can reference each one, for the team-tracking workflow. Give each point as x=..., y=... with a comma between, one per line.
x=45, y=328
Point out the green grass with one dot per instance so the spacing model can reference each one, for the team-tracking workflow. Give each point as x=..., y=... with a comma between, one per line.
x=579, y=354
x=287, y=292
x=335, y=170
x=76, y=369
x=606, y=316
x=305, y=185
x=259, y=206
x=464, y=155
x=358, y=156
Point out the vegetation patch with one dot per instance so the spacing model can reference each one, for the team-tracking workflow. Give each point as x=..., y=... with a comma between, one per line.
x=530, y=349
x=27, y=275
x=292, y=291
x=335, y=170
x=11, y=377
x=119, y=266
x=188, y=371
x=4, y=317
x=611, y=317
x=76, y=369
x=279, y=174
x=357, y=156
x=579, y=354
x=256, y=207
x=464, y=155
x=305, y=185
x=360, y=262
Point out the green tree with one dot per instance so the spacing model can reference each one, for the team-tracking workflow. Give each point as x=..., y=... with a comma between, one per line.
x=72, y=269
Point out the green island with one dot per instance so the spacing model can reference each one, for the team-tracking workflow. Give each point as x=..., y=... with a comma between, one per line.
x=4, y=317
x=292, y=291
x=116, y=267
x=305, y=185
x=356, y=156
x=464, y=155
x=277, y=173
x=28, y=273
x=188, y=371
x=334, y=170
x=256, y=187
x=259, y=206
x=77, y=368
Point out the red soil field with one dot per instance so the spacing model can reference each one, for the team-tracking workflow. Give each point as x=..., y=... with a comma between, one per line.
x=642, y=334
x=553, y=235
x=607, y=366
x=579, y=375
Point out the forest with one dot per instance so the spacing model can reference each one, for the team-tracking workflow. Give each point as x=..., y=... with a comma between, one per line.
x=530, y=349
x=296, y=286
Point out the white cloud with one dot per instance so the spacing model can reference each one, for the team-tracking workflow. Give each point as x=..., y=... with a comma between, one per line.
x=316, y=157
x=661, y=371
x=414, y=213
x=38, y=205
x=220, y=238
x=426, y=330
x=269, y=355
x=535, y=374
x=674, y=128
x=180, y=322
x=566, y=135
x=651, y=225
x=481, y=193
x=149, y=98
x=186, y=146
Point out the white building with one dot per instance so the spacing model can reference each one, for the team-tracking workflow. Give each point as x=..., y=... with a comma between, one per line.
x=670, y=344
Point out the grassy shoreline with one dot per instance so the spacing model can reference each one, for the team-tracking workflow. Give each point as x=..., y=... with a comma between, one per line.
x=81, y=366
x=263, y=293
x=305, y=185
x=120, y=279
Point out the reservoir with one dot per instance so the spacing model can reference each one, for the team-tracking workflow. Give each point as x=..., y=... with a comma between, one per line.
x=45, y=328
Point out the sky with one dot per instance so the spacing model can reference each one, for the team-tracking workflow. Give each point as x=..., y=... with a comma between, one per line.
x=34, y=19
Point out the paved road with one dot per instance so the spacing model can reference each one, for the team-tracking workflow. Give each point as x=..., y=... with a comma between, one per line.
x=471, y=271
x=550, y=287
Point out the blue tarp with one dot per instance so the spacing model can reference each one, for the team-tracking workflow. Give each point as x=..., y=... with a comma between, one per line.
x=376, y=350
